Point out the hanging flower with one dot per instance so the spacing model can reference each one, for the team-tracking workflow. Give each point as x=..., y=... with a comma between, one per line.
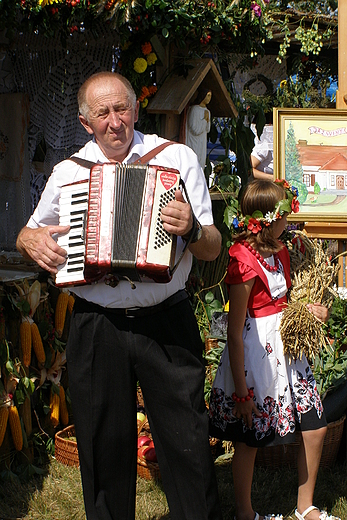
x=144, y=93
x=256, y=9
x=151, y=58
x=152, y=89
x=140, y=65
x=144, y=103
x=254, y=225
x=146, y=48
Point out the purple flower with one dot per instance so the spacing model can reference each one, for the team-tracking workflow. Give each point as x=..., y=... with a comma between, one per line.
x=267, y=1
x=256, y=8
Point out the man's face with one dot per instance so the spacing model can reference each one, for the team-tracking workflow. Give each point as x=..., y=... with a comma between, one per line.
x=111, y=117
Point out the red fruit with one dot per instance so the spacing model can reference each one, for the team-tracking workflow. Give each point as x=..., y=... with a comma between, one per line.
x=143, y=440
x=140, y=451
x=150, y=455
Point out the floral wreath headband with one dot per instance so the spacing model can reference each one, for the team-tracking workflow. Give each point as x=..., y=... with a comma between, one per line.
x=257, y=221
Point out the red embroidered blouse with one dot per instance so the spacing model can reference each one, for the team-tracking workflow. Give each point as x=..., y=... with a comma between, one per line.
x=244, y=266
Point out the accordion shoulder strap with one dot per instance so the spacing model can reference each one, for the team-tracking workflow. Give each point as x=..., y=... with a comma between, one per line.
x=82, y=162
x=142, y=160
x=148, y=156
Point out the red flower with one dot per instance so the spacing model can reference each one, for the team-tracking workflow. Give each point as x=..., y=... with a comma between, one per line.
x=295, y=205
x=254, y=225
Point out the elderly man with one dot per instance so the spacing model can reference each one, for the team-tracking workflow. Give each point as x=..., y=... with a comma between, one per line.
x=119, y=335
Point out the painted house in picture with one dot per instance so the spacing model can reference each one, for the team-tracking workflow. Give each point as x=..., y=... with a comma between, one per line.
x=324, y=167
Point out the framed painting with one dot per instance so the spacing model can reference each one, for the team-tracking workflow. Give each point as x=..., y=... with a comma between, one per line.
x=310, y=152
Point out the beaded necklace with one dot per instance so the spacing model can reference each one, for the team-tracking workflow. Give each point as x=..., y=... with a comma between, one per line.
x=262, y=260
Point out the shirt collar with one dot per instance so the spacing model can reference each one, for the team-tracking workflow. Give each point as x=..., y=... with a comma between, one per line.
x=137, y=148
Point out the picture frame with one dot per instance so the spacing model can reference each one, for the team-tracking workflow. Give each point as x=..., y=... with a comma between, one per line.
x=310, y=152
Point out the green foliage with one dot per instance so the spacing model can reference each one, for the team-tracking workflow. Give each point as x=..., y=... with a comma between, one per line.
x=204, y=310
x=212, y=358
x=316, y=188
x=337, y=323
x=330, y=367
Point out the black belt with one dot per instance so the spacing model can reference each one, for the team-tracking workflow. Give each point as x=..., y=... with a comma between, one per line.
x=135, y=312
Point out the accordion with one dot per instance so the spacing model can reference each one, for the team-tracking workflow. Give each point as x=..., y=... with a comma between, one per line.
x=115, y=225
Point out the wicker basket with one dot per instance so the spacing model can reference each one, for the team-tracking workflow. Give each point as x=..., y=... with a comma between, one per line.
x=148, y=470
x=66, y=450
x=286, y=454
x=145, y=468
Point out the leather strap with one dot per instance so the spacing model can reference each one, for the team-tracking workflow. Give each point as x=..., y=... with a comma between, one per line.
x=82, y=162
x=148, y=156
x=142, y=160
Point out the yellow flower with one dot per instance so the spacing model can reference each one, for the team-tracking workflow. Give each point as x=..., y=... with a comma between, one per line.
x=151, y=58
x=283, y=83
x=226, y=307
x=144, y=103
x=140, y=65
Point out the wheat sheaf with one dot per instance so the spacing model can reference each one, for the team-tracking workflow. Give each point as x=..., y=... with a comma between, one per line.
x=314, y=278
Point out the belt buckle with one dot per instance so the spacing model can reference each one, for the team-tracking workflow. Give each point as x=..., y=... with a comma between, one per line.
x=131, y=310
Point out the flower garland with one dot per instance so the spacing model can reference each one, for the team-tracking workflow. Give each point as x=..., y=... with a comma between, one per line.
x=137, y=63
x=257, y=221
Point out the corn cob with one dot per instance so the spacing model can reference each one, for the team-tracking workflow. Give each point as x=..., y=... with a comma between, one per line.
x=37, y=344
x=3, y=422
x=54, y=406
x=25, y=414
x=25, y=341
x=70, y=303
x=63, y=412
x=60, y=312
x=16, y=428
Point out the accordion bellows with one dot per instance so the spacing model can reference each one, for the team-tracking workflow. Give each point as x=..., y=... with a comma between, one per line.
x=116, y=226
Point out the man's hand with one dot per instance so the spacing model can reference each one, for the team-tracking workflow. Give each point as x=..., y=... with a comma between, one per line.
x=39, y=245
x=177, y=219
x=177, y=216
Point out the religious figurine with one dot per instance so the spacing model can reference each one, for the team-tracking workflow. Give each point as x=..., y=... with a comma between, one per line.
x=198, y=125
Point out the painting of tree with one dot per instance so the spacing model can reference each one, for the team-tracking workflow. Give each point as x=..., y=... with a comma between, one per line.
x=293, y=167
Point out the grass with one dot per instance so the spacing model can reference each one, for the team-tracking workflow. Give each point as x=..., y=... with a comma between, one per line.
x=58, y=494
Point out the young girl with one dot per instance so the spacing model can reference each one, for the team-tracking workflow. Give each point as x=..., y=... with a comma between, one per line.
x=258, y=397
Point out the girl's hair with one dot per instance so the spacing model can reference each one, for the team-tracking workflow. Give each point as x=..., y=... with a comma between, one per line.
x=261, y=195
x=100, y=76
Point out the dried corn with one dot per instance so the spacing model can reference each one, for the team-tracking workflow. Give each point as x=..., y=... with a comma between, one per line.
x=3, y=422
x=25, y=341
x=37, y=344
x=63, y=412
x=16, y=428
x=60, y=312
x=54, y=407
x=70, y=303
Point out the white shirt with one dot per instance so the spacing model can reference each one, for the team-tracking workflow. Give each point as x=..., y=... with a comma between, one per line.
x=263, y=149
x=176, y=156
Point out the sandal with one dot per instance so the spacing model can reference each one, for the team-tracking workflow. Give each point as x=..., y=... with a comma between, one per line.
x=267, y=517
x=323, y=516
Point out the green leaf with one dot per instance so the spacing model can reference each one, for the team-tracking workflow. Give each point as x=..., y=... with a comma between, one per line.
x=209, y=297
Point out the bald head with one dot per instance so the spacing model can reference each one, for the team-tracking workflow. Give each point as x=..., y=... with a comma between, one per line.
x=101, y=78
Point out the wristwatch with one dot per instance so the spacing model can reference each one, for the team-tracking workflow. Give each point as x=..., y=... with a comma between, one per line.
x=195, y=233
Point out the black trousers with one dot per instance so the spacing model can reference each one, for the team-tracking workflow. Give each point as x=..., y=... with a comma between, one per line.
x=106, y=354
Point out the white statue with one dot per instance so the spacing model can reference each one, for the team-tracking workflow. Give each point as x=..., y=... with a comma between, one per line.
x=198, y=125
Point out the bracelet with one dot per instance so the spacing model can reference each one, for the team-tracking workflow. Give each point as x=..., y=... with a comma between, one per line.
x=248, y=397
